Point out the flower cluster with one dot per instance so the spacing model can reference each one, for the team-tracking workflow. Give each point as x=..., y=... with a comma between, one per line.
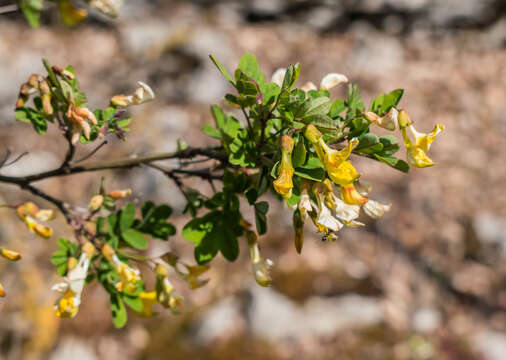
x=318, y=200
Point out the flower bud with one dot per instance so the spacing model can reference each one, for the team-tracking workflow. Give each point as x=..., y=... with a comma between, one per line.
x=10, y=255
x=260, y=266
x=108, y=252
x=404, y=119
x=298, y=226
x=119, y=100
x=96, y=202
x=161, y=270
x=33, y=81
x=88, y=249
x=371, y=117
x=71, y=263
x=119, y=194
x=2, y=292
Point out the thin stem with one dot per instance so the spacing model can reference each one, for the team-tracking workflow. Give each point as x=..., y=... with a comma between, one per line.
x=93, y=152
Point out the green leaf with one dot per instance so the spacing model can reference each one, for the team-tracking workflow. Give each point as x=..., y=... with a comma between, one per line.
x=321, y=121
x=299, y=154
x=269, y=91
x=134, y=302
x=112, y=221
x=394, y=162
x=215, y=231
x=119, y=313
x=249, y=65
x=384, y=102
x=390, y=145
x=31, y=9
x=37, y=119
x=212, y=132
x=319, y=106
x=251, y=195
x=261, y=209
x=311, y=170
x=135, y=239
x=229, y=246
x=59, y=257
x=222, y=69
x=337, y=108
x=291, y=76
x=127, y=217
x=369, y=144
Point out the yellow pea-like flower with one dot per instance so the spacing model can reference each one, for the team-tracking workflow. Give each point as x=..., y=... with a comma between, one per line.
x=416, y=149
x=351, y=196
x=284, y=183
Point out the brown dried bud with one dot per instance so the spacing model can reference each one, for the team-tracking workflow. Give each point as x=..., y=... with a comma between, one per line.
x=120, y=194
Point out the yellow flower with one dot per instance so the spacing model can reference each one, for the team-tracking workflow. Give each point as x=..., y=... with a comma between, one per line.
x=148, y=300
x=167, y=296
x=192, y=277
x=261, y=267
x=284, y=183
x=2, y=292
x=30, y=213
x=416, y=150
x=128, y=275
x=351, y=196
x=9, y=254
x=67, y=305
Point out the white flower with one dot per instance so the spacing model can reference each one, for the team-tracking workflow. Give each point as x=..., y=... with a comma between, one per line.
x=68, y=304
x=331, y=80
x=325, y=220
x=278, y=76
x=143, y=94
x=375, y=209
x=346, y=212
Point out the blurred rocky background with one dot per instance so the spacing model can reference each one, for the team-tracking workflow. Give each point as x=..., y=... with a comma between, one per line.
x=428, y=281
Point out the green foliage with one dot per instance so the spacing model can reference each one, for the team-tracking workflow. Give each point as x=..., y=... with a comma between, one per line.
x=60, y=257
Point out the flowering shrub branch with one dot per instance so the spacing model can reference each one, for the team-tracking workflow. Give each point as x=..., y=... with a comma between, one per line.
x=296, y=143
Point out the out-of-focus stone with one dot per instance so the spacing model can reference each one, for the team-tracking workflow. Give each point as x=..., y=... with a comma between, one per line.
x=491, y=230
x=73, y=348
x=491, y=344
x=426, y=319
